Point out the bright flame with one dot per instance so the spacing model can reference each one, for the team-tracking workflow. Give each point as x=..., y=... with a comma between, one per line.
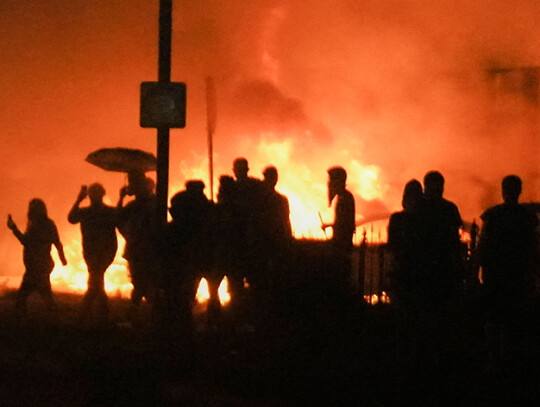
x=223, y=292
x=305, y=187
x=364, y=180
x=374, y=299
x=73, y=278
x=203, y=291
x=303, y=182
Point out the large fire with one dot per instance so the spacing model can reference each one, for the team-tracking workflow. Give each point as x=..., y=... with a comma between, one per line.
x=304, y=185
x=373, y=91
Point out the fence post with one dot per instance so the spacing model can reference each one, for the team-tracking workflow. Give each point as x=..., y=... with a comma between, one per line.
x=362, y=264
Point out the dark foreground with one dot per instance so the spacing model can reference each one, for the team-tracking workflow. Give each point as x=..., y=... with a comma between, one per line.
x=325, y=349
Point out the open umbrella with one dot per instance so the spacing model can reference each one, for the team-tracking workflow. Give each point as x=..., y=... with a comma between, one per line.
x=121, y=159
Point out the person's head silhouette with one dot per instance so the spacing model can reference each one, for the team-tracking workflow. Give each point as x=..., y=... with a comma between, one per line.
x=226, y=188
x=37, y=211
x=337, y=178
x=195, y=186
x=511, y=189
x=96, y=193
x=412, y=194
x=270, y=175
x=240, y=168
x=433, y=185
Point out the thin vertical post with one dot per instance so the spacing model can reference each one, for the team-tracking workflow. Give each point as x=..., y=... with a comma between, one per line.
x=211, y=117
x=164, y=75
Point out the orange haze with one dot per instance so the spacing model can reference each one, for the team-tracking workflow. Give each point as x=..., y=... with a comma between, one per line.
x=387, y=89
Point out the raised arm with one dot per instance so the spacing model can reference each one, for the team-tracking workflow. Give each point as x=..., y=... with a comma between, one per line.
x=74, y=213
x=123, y=193
x=18, y=234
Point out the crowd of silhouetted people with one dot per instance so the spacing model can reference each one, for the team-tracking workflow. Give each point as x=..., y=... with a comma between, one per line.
x=246, y=235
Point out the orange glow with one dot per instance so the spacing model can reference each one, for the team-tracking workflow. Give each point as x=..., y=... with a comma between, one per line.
x=223, y=292
x=305, y=186
x=203, y=291
x=374, y=299
x=387, y=108
x=73, y=277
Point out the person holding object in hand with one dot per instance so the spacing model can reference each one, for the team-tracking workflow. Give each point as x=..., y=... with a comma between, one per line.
x=99, y=243
x=41, y=233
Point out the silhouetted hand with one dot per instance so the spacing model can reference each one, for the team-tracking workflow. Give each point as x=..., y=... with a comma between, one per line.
x=64, y=261
x=83, y=193
x=123, y=191
x=10, y=223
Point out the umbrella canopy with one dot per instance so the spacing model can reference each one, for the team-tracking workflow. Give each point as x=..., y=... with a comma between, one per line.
x=121, y=159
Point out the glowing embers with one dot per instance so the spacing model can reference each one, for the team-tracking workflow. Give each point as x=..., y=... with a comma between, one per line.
x=203, y=292
x=374, y=299
x=223, y=292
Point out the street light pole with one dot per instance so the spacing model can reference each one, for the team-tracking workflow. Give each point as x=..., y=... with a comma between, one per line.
x=164, y=76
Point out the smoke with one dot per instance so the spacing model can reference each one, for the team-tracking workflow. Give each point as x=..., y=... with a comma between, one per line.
x=390, y=89
x=402, y=85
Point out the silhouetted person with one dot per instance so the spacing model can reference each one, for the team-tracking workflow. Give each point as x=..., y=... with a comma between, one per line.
x=41, y=233
x=442, y=245
x=508, y=254
x=276, y=222
x=442, y=265
x=227, y=239
x=404, y=243
x=98, y=228
x=275, y=237
x=344, y=222
x=138, y=227
x=407, y=272
x=191, y=250
x=246, y=202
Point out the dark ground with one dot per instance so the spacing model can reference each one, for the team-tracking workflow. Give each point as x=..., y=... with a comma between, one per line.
x=326, y=349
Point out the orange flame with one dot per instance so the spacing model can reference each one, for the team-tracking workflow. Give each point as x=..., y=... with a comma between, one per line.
x=305, y=187
x=203, y=292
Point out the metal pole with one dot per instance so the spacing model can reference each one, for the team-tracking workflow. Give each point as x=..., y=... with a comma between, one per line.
x=164, y=75
x=211, y=117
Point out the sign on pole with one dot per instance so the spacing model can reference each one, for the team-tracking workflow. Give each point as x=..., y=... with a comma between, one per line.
x=163, y=104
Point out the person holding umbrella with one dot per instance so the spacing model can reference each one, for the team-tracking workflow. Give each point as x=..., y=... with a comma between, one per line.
x=136, y=219
x=98, y=228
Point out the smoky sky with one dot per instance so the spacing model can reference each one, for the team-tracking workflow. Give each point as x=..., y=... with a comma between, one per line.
x=400, y=85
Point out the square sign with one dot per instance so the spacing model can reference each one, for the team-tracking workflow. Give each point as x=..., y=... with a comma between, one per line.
x=163, y=104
